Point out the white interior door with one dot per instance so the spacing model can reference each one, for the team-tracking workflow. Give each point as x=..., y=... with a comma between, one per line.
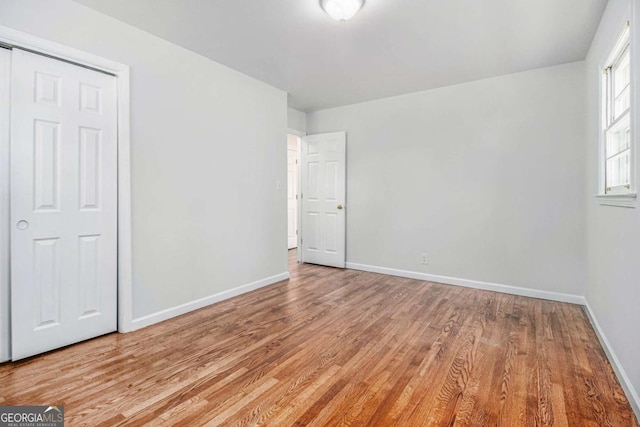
x=323, y=199
x=292, y=191
x=63, y=204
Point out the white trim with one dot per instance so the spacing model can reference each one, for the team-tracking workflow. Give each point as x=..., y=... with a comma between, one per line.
x=299, y=199
x=5, y=216
x=623, y=39
x=125, y=256
x=625, y=381
x=626, y=200
x=296, y=132
x=495, y=287
x=181, y=309
x=39, y=45
x=121, y=71
x=626, y=36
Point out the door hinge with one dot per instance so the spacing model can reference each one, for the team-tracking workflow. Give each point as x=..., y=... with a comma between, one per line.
x=301, y=195
x=296, y=197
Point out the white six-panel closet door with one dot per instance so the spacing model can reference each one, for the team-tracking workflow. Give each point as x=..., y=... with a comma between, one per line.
x=63, y=204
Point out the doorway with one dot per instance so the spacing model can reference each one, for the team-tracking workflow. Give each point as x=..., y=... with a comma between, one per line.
x=323, y=199
x=51, y=182
x=293, y=146
x=63, y=203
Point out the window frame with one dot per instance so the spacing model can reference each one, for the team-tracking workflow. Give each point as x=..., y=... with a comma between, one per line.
x=624, y=194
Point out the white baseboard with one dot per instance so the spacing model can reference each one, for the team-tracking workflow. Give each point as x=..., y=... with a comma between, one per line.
x=495, y=287
x=163, y=315
x=625, y=382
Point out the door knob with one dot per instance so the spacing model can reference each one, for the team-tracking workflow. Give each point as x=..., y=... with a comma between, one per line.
x=22, y=225
x=339, y=207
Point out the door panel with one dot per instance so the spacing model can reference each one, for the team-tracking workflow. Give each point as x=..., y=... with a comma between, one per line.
x=47, y=167
x=63, y=204
x=90, y=161
x=323, y=199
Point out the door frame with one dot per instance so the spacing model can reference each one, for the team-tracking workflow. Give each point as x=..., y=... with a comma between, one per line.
x=297, y=182
x=5, y=210
x=299, y=134
x=29, y=42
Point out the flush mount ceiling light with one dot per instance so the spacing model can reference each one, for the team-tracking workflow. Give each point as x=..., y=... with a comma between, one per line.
x=341, y=10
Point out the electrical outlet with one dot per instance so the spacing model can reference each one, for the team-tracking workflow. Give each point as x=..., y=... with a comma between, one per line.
x=424, y=259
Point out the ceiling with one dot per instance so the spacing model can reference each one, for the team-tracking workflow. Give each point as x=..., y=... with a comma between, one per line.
x=390, y=48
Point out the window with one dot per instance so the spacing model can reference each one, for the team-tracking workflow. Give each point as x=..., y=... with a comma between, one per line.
x=617, y=148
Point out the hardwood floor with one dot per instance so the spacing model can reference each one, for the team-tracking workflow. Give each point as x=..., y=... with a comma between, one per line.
x=338, y=347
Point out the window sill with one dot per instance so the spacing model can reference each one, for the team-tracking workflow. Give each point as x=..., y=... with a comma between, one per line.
x=627, y=200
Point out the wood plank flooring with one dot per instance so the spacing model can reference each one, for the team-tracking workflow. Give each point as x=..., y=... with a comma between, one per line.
x=338, y=347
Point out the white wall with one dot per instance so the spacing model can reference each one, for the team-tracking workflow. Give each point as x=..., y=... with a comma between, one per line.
x=486, y=177
x=207, y=147
x=296, y=121
x=613, y=286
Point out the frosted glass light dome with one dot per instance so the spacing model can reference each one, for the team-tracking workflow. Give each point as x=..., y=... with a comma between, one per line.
x=341, y=10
